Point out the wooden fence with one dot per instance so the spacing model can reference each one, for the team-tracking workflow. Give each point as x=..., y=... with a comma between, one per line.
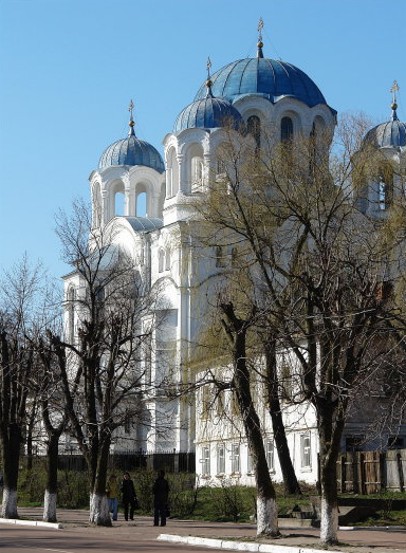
x=368, y=472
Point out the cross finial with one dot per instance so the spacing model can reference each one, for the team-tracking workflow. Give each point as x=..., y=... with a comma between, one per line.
x=208, y=65
x=131, y=123
x=130, y=108
x=260, y=44
x=260, y=27
x=395, y=88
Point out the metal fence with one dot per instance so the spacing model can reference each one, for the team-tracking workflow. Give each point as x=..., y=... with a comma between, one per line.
x=368, y=472
x=170, y=461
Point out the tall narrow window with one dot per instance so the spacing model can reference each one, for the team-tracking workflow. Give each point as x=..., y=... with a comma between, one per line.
x=221, y=458
x=205, y=402
x=219, y=257
x=141, y=205
x=119, y=203
x=235, y=458
x=197, y=173
x=167, y=260
x=305, y=451
x=254, y=129
x=205, y=460
x=269, y=453
x=71, y=314
x=161, y=260
x=286, y=129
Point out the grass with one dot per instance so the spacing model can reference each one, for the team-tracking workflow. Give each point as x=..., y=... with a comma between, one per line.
x=227, y=502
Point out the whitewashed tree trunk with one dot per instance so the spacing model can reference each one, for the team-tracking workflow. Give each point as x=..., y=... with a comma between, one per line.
x=267, y=517
x=99, y=510
x=9, y=506
x=49, y=507
x=328, y=522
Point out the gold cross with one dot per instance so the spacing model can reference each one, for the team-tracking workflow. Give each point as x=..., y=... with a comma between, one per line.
x=395, y=88
x=260, y=27
x=130, y=108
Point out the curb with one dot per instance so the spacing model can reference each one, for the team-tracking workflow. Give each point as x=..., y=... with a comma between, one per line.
x=238, y=545
x=41, y=523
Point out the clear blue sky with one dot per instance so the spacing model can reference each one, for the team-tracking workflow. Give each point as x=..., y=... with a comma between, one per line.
x=68, y=69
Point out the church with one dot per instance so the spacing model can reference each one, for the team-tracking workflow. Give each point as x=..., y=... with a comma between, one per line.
x=149, y=200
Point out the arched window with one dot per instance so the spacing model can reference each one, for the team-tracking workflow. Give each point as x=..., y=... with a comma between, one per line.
x=161, y=260
x=141, y=205
x=172, y=174
x=71, y=314
x=119, y=203
x=254, y=128
x=167, y=260
x=197, y=173
x=219, y=257
x=385, y=187
x=286, y=129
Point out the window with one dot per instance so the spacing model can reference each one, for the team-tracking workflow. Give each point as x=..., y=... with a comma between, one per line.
x=234, y=256
x=205, y=460
x=354, y=443
x=250, y=463
x=305, y=451
x=235, y=408
x=221, y=459
x=219, y=257
x=269, y=454
x=385, y=187
x=286, y=129
x=119, y=203
x=220, y=403
x=287, y=392
x=254, y=128
x=235, y=458
x=205, y=402
x=382, y=195
x=167, y=260
x=141, y=205
x=71, y=314
x=197, y=173
x=161, y=260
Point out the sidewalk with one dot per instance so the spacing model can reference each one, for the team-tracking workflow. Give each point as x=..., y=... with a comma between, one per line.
x=241, y=537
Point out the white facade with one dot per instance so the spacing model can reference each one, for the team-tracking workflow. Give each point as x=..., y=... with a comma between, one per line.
x=161, y=243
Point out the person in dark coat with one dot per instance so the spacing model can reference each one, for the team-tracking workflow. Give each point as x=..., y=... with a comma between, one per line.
x=129, y=496
x=160, y=489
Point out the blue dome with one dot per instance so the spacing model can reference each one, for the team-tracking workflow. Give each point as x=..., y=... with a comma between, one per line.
x=131, y=151
x=208, y=113
x=391, y=134
x=270, y=78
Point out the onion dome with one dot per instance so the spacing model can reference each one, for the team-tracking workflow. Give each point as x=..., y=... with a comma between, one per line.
x=131, y=151
x=272, y=79
x=391, y=134
x=208, y=112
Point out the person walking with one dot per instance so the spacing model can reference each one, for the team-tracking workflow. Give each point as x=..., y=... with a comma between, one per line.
x=160, y=489
x=112, y=495
x=129, y=496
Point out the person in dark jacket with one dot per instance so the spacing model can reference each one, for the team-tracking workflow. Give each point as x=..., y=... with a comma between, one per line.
x=129, y=496
x=160, y=489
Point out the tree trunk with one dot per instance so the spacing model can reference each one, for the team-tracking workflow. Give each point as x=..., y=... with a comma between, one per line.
x=50, y=496
x=290, y=481
x=9, y=506
x=49, y=514
x=99, y=510
x=267, y=516
x=11, y=441
x=328, y=506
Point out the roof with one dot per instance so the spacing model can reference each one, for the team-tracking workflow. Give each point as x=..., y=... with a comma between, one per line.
x=273, y=79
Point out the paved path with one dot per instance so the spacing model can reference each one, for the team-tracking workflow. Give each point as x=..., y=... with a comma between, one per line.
x=77, y=536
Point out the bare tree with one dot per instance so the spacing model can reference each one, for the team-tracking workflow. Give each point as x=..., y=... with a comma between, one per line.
x=18, y=296
x=99, y=354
